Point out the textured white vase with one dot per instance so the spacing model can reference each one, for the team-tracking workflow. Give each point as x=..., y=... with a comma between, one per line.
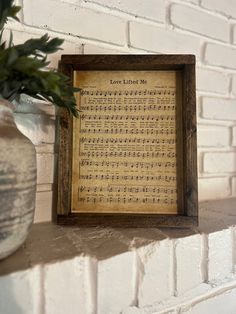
x=17, y=182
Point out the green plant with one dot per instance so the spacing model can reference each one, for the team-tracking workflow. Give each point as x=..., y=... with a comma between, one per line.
x=22, y=67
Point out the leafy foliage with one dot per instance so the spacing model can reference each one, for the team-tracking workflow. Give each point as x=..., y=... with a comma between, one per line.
x=22, y=67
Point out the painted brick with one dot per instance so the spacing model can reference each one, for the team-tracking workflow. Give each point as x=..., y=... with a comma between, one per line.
x=218, y=108
x=161, y=40
x=43, y=208
x=220, y=55
x=219, y=162
x=70, y=1
x=213, y=136
x=192, y=1
x=212, y=81
x=39, y=129
x=213, y=188
x=227, y=7
x=71, y=19
x=233, y=232
x=219, y=255
x=234, y=136
x=92, y=49
x=114, y=297
x=234, y=187
x=156, y=260
x=234, y=84
x=153, y=9
x=188, y=256
x=218, y=304
x=45, y=168
x=234, y=34
x=64, y=287
x=20, y=292
x=188, y=18
x=133, y=310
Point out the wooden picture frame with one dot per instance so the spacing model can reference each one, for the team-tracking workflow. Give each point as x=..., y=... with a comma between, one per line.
x=186, y=147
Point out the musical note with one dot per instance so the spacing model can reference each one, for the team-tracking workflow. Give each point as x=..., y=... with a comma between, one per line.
x=151, y=92
x=136, y=117
x=146, y=131
x=125, y=199
x=98, y=140
x=128, y=177
x=166, y=105
x=133, y=154
x=131, y=189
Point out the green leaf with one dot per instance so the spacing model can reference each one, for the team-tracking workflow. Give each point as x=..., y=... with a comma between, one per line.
x=12, y=56
x=22, y=67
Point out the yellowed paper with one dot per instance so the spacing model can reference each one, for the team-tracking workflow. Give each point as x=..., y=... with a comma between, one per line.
x=124, y=143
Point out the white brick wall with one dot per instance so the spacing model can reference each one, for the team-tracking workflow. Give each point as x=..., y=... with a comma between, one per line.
x=156, y=39
x=219, y=254
x=208, y=188
x=114, y=298
x=219, y=108
x=213, y=136
x=21, y=292
x=188, y=259
x=64, y=285
x=219, y=162
x=155, y=258
x=72, y=19
x=200, y=22
x=220, y=55
x=226, y=7
x=212, y=81
x=218, y=304
x=155, y=10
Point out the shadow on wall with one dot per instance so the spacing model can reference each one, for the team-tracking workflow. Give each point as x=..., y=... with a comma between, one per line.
x=49, y=243
x=217, y=215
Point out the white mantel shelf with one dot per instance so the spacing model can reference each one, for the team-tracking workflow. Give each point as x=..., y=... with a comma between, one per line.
x=106, y=270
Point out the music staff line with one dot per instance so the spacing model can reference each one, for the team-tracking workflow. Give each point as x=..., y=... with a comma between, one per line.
x=124, y=189
x=124, y=200
x=145, y=92
x=112, y=140
x=127, y=118
x=147, y=131
x=126, y=108
x=127, y=177
x=127, y=164
x=128, y=154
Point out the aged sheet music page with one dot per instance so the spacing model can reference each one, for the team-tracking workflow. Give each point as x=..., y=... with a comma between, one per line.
x=124, y=143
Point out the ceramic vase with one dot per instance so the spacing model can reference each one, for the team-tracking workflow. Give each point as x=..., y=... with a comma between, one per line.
x=17, y=182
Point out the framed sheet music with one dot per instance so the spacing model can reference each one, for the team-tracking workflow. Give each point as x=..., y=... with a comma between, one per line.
x=130, y=159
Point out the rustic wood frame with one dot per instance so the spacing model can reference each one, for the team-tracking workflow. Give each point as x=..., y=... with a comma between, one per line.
x=187, y=148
